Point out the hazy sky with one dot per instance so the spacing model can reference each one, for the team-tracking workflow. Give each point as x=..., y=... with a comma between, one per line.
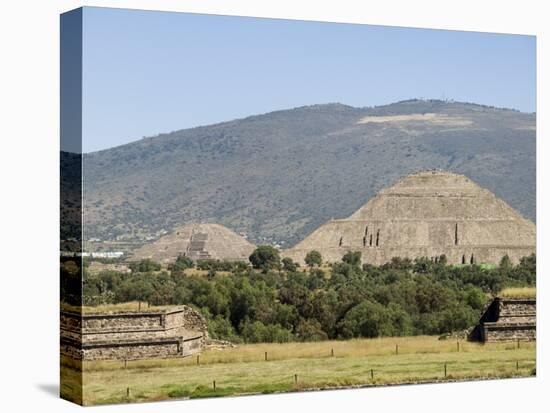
x=146, y=72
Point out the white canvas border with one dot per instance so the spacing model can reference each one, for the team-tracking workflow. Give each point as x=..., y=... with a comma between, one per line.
x=29, y=162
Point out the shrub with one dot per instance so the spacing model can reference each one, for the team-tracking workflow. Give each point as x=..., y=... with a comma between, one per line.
x=222, y=329
x=310, y=330
x=146, y=265
x=371, y=319
x=265, y=258
x=313, y=258
x=182, y=263
x=352, y=258
x=258, y=332
x=289, y=265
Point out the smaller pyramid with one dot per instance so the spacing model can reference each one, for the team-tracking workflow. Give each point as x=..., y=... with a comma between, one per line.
x=198, y=242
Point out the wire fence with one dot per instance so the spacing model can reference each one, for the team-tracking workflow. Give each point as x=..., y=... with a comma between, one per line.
x=376, y=374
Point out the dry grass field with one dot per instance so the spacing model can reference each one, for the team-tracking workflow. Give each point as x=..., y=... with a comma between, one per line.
x=299, y=367
x=519, y=292
x=130, y=306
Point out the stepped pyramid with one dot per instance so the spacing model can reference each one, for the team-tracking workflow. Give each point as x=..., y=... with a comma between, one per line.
x=426, y=214
x=198, y=242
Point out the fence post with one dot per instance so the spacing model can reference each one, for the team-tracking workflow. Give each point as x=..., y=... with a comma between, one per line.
x=517, y=365
x=457, y=346
x=266, y=356
x=396, y=349
x=214, y=384
x=125, y=363
x=295, y=378
x=198, y=360
x=127, y=392
x=332, y=352
x=445, y=369
x=371, y=374
x=518, y=343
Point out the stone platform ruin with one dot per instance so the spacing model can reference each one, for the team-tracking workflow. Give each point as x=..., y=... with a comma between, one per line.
x=507, y=319
x=176, y=332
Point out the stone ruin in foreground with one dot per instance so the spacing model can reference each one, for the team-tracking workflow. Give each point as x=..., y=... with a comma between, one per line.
x=507, y=319
x=177, y=332
x=427, y=214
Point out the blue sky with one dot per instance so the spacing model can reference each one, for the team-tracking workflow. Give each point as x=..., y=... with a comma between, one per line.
x=147, y=72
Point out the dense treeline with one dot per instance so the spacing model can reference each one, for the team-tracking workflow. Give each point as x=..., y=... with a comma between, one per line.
x=278, y=301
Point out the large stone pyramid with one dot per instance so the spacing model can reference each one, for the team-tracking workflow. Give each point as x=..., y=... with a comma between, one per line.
x=426, y=214
x=198, y=242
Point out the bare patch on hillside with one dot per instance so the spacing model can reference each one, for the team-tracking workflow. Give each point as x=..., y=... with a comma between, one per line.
x=434, y=118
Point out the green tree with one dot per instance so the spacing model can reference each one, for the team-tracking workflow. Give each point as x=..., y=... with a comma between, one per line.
x=505, y=264
x=352, y=258
x=526, y=271
x=529, y=263
x=371, y=319
x=146, y=265
x=182, y=263
x=422, y=265
x=265, y=258
x=313, y=258
x=457, y=318
x=258, y=332
x=398, y=263
x=289, y=265
x=221, y=328
x=310, y=330
x=475, y=297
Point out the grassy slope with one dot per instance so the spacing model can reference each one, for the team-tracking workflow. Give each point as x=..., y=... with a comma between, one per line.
x=130, y=306
x=243, y=370
x=519, y=292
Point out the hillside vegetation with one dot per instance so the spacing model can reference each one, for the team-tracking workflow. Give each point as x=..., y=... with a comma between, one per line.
x=277, y=302
x=278, y=176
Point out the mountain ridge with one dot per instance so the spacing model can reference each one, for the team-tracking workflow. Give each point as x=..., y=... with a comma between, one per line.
x=277, y=176
x=315, y=106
